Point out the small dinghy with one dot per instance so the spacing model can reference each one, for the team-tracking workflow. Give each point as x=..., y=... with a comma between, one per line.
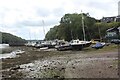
x=98, y=45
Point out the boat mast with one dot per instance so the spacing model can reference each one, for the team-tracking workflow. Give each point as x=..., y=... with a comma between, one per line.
x=83, y=26
x=29, y=35
x=43, y=27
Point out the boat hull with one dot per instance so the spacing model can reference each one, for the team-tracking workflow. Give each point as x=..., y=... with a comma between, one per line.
x=87, y=45
x=64, y=47
x=80, y=46
x=76, y=47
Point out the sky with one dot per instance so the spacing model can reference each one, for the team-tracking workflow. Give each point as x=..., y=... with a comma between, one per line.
x=29, y=18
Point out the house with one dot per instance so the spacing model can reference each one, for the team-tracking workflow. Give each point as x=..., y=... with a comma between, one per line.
x=111, y=19
x=118, y=18
x=108, y=19
x=113, y=33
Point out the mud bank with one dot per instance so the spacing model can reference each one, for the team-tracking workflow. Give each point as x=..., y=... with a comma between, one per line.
x=71, y=67
x=61, y=64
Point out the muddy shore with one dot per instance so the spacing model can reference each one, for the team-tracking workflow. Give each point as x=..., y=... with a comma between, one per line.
x=35, y=63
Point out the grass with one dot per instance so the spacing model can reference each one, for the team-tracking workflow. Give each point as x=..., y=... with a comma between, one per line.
x=111, y=47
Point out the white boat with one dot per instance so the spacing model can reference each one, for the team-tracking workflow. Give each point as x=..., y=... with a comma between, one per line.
x=49, y=44
x=79, y=44
x=31, y=43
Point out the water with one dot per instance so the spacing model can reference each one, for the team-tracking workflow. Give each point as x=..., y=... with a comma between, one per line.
x=4, y=46
x=11, y=54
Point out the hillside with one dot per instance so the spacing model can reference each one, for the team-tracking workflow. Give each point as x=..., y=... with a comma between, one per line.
x=11, y=39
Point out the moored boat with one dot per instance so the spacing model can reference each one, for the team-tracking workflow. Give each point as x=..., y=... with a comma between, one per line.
x=98, y=45
x=78, y=45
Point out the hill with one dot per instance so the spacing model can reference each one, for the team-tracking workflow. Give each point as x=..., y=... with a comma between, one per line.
x=11, y=39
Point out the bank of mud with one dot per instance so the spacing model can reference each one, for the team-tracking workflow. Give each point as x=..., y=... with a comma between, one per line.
x=61, y=64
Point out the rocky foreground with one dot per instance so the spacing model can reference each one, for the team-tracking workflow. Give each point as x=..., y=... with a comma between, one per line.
x=62, y=64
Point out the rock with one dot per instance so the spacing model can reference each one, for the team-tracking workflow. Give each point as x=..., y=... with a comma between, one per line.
x=15, y=68
x=31, y=69
x=45, y=65
x=62, y=68
x=110, y=66
x=56, y=76
x=73, y=67
x=48, y=68
x=9, y=76
x=75, y=61
x=99, y=71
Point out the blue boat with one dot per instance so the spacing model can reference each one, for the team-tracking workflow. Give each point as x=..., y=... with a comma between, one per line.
x=98, y=45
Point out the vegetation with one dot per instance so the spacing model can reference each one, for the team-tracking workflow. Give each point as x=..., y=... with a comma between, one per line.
x=71, y=28
x=9, y=38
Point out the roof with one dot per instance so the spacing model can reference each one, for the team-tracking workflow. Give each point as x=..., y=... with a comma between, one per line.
x=110, y=17
x=113, y=29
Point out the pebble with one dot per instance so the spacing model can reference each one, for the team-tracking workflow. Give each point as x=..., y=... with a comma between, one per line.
x=99, y=71
x=45, y=65
x=31, y=69
x=15, y=68
x=62, y=68
x=73, y=67
x=110, y=66
x=56, y=76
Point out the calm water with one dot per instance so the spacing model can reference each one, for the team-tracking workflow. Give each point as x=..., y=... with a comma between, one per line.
x=8, y=52
x=4, y=46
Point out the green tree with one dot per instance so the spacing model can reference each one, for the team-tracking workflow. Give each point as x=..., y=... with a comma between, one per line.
x=71, y=28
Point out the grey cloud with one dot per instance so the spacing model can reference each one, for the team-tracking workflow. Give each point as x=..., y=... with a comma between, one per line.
x=58, y=12
x=30, y=23
x=100, y=5
x=43, y=12
x=38, y=23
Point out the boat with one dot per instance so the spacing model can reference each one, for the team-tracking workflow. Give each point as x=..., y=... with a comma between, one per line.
x=42, y=44
x=79, y=44
x=98, y=45
x=63, y=47
x=31, y=43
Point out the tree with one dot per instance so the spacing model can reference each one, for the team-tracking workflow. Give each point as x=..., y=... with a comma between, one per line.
x=71, y=28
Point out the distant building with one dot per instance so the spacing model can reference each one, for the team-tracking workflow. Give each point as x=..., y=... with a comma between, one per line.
x=111, y=19
x=113, y=33
x=108, y=19
x=118, y=18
